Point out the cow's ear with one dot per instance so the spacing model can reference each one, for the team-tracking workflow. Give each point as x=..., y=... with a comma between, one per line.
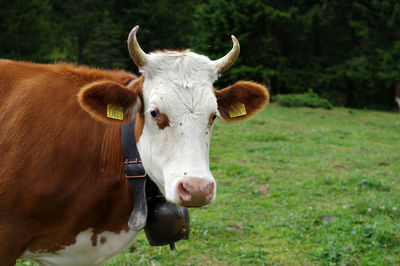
x=109, y=101
x=241, y=100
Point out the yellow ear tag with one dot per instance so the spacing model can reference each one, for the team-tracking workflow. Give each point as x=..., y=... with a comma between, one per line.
x=115, y=112
x=237, y=109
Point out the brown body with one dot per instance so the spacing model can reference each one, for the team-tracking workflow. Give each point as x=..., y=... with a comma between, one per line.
x=61, y=171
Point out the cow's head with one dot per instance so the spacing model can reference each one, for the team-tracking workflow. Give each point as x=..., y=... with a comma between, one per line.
x=176, y=106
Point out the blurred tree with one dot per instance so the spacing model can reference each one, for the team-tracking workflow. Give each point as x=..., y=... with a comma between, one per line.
x=361, y=67
x=163, y=24
x=346, y=51
x=374, y=68
x=26, y=32
x=103, y=49
x=253, y=22
x=76, y=20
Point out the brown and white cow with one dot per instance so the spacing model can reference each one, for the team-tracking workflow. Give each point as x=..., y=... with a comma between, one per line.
x=64, y=199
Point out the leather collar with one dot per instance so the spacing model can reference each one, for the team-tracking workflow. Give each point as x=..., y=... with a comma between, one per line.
x=136, y=175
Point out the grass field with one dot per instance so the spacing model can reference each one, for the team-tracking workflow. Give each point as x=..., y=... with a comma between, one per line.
x=296, y=186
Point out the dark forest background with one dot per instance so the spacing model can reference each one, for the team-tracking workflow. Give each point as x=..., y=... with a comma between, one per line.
x=346, y=51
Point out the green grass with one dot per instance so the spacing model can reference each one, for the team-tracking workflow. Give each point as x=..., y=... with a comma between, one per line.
x=296, y=186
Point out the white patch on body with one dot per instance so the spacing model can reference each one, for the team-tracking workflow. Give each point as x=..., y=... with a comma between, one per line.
x=398, y=102
x=180, y=85
x=82, y=252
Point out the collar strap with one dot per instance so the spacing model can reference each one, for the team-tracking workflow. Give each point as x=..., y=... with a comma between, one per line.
x=136, y=175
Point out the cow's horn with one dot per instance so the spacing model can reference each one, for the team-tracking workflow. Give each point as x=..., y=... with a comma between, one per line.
x=228, y=60
x=137, y=54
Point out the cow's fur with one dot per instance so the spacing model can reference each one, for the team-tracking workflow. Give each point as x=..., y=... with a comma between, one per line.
x=64, y=198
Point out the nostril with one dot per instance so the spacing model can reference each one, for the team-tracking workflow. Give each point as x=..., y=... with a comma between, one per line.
x=209, y=186
x=211, y=189
x=187, y=187
x=183, y=193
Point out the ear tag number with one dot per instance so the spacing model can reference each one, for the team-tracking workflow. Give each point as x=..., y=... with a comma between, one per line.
x=237, y=109
x=115, y=112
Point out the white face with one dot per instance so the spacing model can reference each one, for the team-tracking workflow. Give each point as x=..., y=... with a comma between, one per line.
x=178, y=87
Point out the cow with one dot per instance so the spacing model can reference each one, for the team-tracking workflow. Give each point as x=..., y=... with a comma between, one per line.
x=64, y=199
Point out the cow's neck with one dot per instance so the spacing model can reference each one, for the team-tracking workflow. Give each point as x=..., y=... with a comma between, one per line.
x=98, y=195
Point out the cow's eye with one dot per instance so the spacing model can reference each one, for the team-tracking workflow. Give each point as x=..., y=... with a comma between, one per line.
x=213, y=116
x=154, y=113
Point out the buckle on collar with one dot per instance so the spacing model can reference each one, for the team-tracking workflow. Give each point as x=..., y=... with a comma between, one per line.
x=136, y=162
